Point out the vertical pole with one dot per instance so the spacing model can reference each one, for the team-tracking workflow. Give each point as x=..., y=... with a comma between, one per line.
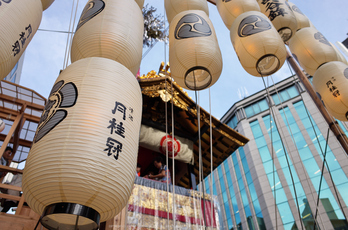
x=333, y=124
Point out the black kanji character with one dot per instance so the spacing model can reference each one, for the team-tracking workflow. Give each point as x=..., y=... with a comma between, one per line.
x=112, y=125
x=130, y=117
x=336, y=93
x=333, y=88
x=29, y=29
x=121, y=108
x=113, y=146
x=16, y=48
x=22, y=38
x=328, y=84
x=120, y=130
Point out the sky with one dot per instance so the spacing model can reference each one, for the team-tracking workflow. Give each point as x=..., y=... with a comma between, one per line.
x=44, y=56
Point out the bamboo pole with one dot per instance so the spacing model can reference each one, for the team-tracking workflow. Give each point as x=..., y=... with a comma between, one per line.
x=333, y=124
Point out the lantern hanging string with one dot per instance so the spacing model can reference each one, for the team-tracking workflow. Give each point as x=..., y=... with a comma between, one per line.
x=173, y=155
x=71, y=35
x=200, y=165
x=211, y=163
x=166, y=110
x=315, y=133
x=68, y=37
x=272, y=114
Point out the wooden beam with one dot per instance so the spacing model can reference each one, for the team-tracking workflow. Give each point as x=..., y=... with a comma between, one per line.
x=12, y=130
x=10, y=197
x=12, y=187
x=4, y=168
x=17, y=101
x=21, y=142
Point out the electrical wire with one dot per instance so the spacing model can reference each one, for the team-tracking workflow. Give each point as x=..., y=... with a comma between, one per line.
x=211, y=162
x=67, y=39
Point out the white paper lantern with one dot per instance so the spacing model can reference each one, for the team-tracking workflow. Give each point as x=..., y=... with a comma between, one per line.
x=301, y=18
x=230, y=10
x=194, y=53
x=19, y=22
x=311, y=49
x=339, y=55
x=46, y=3
x=260, y=49
x=111, y=29
x=281, y=16
x=85, y=149
x=2, y=125
x=331, y=82
x=174, y=7
x=140, y=3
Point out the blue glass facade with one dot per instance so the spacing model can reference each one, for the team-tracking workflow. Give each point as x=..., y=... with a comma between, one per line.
x=273, y=181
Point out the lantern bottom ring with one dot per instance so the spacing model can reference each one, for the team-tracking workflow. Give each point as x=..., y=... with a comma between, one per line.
x=285, y=33
x=267, y=65
x=70, y=216
x=198, y=78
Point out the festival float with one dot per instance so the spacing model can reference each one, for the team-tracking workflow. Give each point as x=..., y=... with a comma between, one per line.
x=100, y=120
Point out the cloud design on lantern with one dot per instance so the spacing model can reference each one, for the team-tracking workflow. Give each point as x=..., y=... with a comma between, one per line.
x=190, y=26
x=61, y=96
x=252, y=24
x=320, y=37
x=345, y=73
x=91, y=10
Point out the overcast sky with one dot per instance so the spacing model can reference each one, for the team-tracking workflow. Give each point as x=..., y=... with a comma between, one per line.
x=45, y=54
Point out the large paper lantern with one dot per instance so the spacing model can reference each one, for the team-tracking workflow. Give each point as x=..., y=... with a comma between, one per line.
x=140, y=3
x=111, y=29
x=339, y=55
x=2, y=125
x=19, y=22
x=230, y=10
x=311, y=49
x=331, y=82
x=194, y=53
x=281, y=16
x=174, y=7
x=260, y=49
x=84, y=153
x=46, y=3
x=301, y=18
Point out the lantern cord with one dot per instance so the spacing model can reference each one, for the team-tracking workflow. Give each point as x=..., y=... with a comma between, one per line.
x=315, y=133
x=38, y=222
x=211, y=162
x=200, y=174
x=167, y=160
x=166, y=114
x=76, y=223
x=150, y=48
x=71, y=35
x=321, y=179
x=272, y=114
x=57, y=31
x=173, y=154
x=68, y=37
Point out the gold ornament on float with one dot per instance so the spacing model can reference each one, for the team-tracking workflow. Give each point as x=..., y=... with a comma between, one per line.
x=331, y=82
x=260, y=49
x=230, y=10
x=111, y=29
x=174, y=7
x=281, y=16
x=46, y=3
x=84, y=152
x=301, y=18
x=194, y=53
x=19, y=23
x=311, y=49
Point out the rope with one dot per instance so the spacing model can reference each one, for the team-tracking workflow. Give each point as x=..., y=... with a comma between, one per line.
x=173, y=151
x=211, y=162
x=71, y=35
x=328, y=169
x=321, y=178
x=67, y=39
x=167, y=160
x=285, y=152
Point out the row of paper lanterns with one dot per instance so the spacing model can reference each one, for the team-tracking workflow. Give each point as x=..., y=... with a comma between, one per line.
x=85, y=148
x=262, y=52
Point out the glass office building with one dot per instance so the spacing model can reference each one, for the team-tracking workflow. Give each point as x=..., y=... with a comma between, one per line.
x=15, y=75
x=274, y=181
